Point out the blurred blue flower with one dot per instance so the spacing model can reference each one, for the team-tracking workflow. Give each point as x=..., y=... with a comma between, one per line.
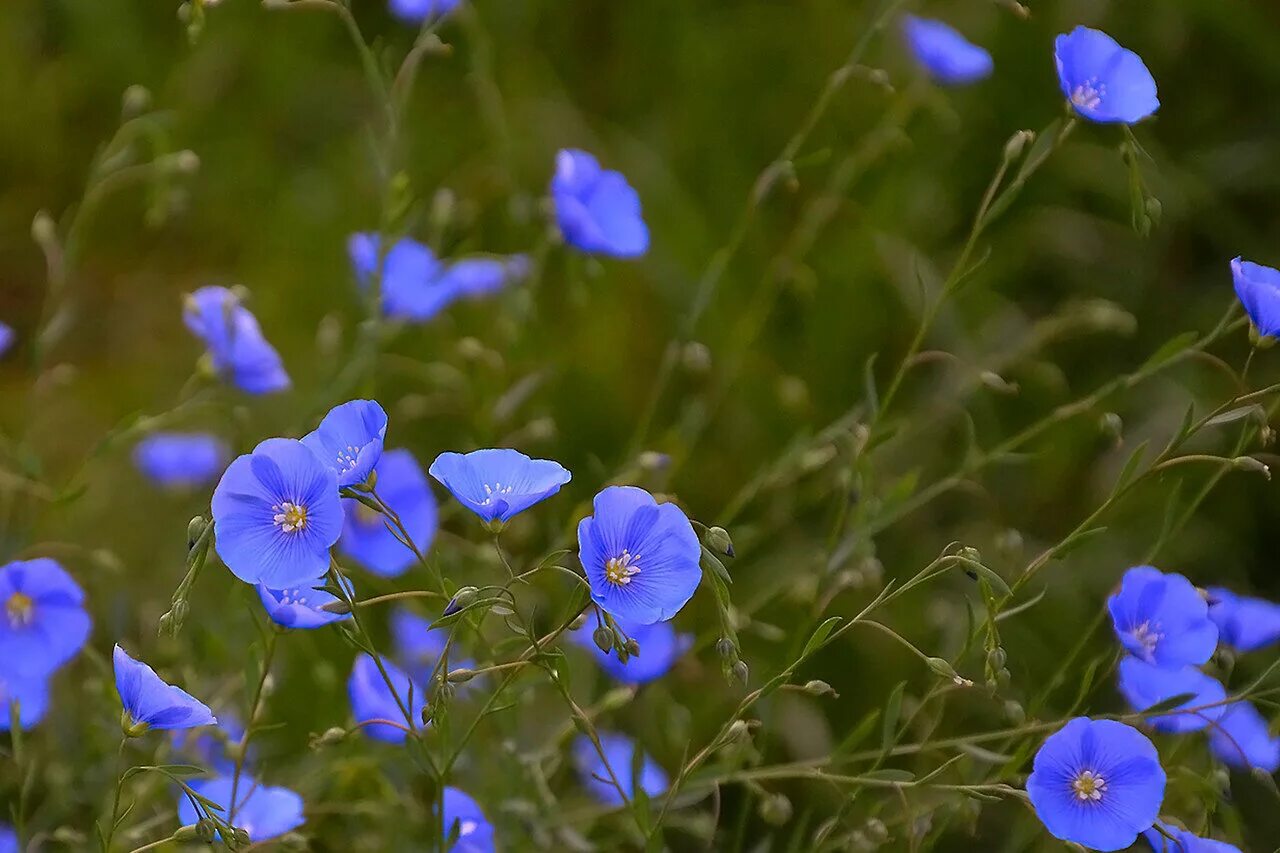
x=1103, y=81
x=263, y=812
x=209, y=744
x=1098, y=783
x=1185, y=842
x=301, y=606
x=6, y=340
x=474, y=832
x=1245, y=624
x=1242, y=739
x=1258, y=289
x=419, y=646
x=620, y=751
x=8, y=840
x=32, y=695
x=597, y=210
x=236, y=346
x=1145, y=685
x=153, y=703
x=45, y=623
x=417, y=11
x=1162, y=619
x=947, y=56
x=371, y=698
x=276, y=513
x=180, y=460
x=641, y=558
x=498, y=484
x=660, y=648
x=365, y=536
x=349, y=440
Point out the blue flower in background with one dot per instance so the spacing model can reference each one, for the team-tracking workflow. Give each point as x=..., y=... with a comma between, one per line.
x=234, y=340
x=1098, y=783
x=474, y=278
x=498, y=484
x=1145, y=685
x=276, y=513
x=417, y=11
x=44, y=623
x=349, y=440
x=1258, y=289
x=209, y=744
x=180, y=460
x=620, y=752
x=1242, y=739
x=263, y=812
x=6, y=341
x=947, y=56
x=597, y=210
x=301, y=606
x=660, y=648
x=466, y=823
x=371, y=698
x=8, y=840
x=1185, y=842
x=153, y=703
x=365, y=536
x=640, y=557
x=419, y=646
x=1162, y=619
x=1245, y=624
x=1103, y=81
x=32, y=695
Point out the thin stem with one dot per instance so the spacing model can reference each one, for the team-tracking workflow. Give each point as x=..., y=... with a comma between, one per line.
x=255, y=707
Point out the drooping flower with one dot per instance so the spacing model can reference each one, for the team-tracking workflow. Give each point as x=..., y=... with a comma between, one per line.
x=152, y=703
x=464, y=821
x=599, y=777
x=262, y=811
x=1258, y=288
x=32, y=695
x=947, y=56
x=641, y=558
x=597, y=210
x=6, y=337
x=1162, y=619
x=1098, y=783
x=498, y=484
x=660, y=647
x=365, y=536
x=231, y=334
x=1145, y=685
x=1242, y=739
x=44, y=623
x=1103, y=81
x=417, y=11
x=1184, y=842
x=301, y=606
x=1245, y=624
x=180, y=460
x=349, y=440
x=419, y=646
x=276, y=513
x=372, y=699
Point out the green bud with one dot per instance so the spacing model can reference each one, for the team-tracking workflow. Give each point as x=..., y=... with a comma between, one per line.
x=603, y=637
x=1019, y=141
x=130, y=728
x=206, y=831
x=461, y=599
x=242, y=837
x=1248, y=463
x=717, y=539
x=740, y=672
x=820, y=688
x=1111, y=426
x=44, y=230
x=739, y=731
x=944, y=669
x=1154, y=210
x=195, y=529
x=1015, y=713
x=187, y=833
x=775, y=809
x=337, y=606
x=996, y=658
x=726, y=649
x=329, y=737
x=461, y=675
x=632, y=647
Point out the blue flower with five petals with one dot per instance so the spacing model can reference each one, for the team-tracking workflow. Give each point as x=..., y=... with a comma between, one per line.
x=1162, y=619
x=44, y=623
x=349, y=440
x=947, y=56
x=235, y=343
x=151, y=703
x=498, y=484
x=597, y=210
x=365, y=536
x=1102, y=81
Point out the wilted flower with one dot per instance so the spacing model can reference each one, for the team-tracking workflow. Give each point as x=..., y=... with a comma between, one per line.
x=180, y=460
x=1145, y=685
x=1242, y=739
x=301, y=606
x=641, y=558
x=498, y=484
x=1098, y=783
x=466, y=823
x=947, y=56
x=276, y=513
x=262, y=811
x=597, y=210
x=1103, y=81
x=365, y=536
x=32, y=695
x=419, y=646
x=349, y=440
x=1162, y=619
x=1184, y=842
x=44, y=623
x=417, y=11
x=151, y=703
x=371, y=698
x=1258, y=289
x=1245, y=624
x=619, y=752
x=660, y=648
x=6, y=341
x=231, y=334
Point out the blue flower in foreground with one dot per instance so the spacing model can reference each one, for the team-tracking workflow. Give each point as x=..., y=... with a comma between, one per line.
x=1162, y=619
x=8, y=840
x=276, y=513
x=6, y=338
x=236, y=346
x=44, y=623
x=365, y=536
x=301, y=606
x=180, y=460
x=349, y=440
x=660, y=648
x=1103, y=81
x=1145, y=685
x=1184, y=842
x=32, y=695
x=466, y=824
x=1098, y=783
x=1258, y=289
x=419, y=646
x=1242, y=739
x=262, y=811
x=948, y=57
x=498, y=484
x=620, y=752
x=152, y=703
x=417, y=11
x=641, y=557
x=1245, y=624
x=371, y=698
x=597, y=210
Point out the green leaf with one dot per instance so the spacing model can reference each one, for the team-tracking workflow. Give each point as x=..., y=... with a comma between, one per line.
x=1169, y=704
x=1171, y=349
x=1130, y=467
x=1253, y=410
x=890, y=774
x=1075, y=540
x=859, y=733
x=819, y=636
x=889, y=722
x=869, y=381
x=989, y=575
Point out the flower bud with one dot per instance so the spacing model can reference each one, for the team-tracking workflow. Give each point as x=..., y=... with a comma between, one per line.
x=135, y=101
x=740, y=672
x=330, y=737
x=1019, y=141
x=996, y=658
x=696, y=358
x=973, y=555
x=739, y=731
x=775, y=809
x=603, y=637
x=206, y=831
x=726, y=649
x=1111, y=426
x=242, y=837
x=1248, y=463
x=718, y=540
x=632, y=647
x=820, y=688
x=944, y=669
x=338, y=606
x=187, y=833
x=44, y=230
x=195, y=529
x=461, y=599
x=461, y=675
x=1015, y=713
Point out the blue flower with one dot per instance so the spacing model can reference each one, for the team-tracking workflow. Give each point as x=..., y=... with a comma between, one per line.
x=276, y=513
x=365, y=536
x=236, y=346
x=300, y=607
x=641, y=557
x=1145, y=685
x=44, y=623
x=1242, y=739
x=474, y=833
x=417, y=11
x=371, y=698
x=619, y=751
x=1162, y=619
x=473, y=278
x=660, y=648
x=151, y=702
x=1103, y=81
x=1258, y=289
x=419, y=646
x=180, y=460
x=1245, y=624
x=6, y=341
x=597, y=210
x=8, y=840
x=1098, y=783
x=263, y=812
x=209, y=743
x=498, y=485
x=32, y=695
x=1184, y=842
x=349, y=440
x=948, y=57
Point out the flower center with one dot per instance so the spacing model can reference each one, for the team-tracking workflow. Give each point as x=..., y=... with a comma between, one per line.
x=1089, y=786
x=1089, y=94
x=293, y=596
x=21, y=609
x=620, y=570
x=466, y=827
x=491, y=492
x=290, y=517
x=1148, y=636
x=348, y=458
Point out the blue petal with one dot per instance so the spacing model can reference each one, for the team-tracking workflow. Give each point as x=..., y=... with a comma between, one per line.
x=32, y=696
x=55, y=625
x=474, y=832
x=300, y=607
x=1242, y=739
x=498, y=484
x=6, y=338
x=362, y=250
x=371, y=698
x=1145, y=685
x=8, y=840
x=947, y=56
x=148, y=699
x=597, y=210
x=1162, y=618
x=619, y=757
x=476, y=277
x=660, y=648
x=417, y=11
x=1185, y=842
x=349, y=440
x=1258, y=288
x=365, y=536
x=264, y=812
x=180, y=460
x=1245, y=624
x=234, y=341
